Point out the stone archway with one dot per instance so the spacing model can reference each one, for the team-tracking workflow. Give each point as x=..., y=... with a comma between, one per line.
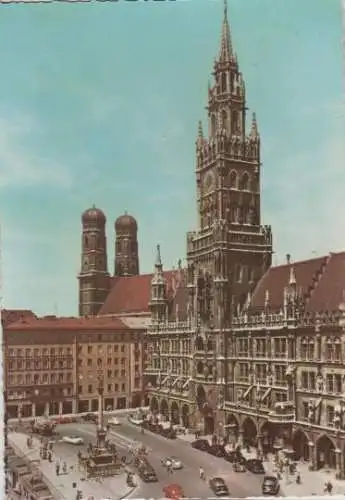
x=250, y=432
x=205, y=410
x=154, y=407
x=174, y=413
x=164, y=409
x=232, y=427
x=185, y=416
x=268, y=435
x=300, y=445
x=325, y=453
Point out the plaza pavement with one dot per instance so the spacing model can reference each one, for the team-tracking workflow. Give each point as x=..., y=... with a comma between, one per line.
x=313, y=482
x=114, y=488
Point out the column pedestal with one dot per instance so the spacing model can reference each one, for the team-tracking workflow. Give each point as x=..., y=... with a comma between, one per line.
x=312, y=454
x=33, y=410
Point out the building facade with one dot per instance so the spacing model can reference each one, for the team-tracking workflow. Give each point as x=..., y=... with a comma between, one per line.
x=53, y=365
x=253, y=353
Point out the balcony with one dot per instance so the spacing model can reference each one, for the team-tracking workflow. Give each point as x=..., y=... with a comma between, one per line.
x=283, y=413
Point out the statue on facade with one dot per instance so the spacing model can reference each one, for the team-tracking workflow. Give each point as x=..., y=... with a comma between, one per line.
x=319, y=382
x=311, y=412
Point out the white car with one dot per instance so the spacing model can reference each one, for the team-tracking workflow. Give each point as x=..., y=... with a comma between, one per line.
x=173, y=463
x=114, y=421
x=73, y=439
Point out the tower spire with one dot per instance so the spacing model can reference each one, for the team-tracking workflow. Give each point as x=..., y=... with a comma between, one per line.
x=225, y=52
x=158, y=263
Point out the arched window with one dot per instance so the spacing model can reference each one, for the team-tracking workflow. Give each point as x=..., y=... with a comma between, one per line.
x=244, y=184
x=86, y=240
x=223, y=82
x=234, y=121
x=238, y=273
x=233, y=179
x=233, y=213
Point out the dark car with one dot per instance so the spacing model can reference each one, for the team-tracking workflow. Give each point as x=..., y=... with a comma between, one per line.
x=255, y=466
x=201, y=444
x=235, y=456
x=217, y=451
x=270, y=485
x=218, y=486
x=90, y=417
x=147, y=474
x=238, y=467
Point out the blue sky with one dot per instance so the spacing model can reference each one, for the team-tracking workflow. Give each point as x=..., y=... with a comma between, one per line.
x=99, y=103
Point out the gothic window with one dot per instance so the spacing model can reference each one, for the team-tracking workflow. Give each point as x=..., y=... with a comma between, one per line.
x=244, y=184
x=86, y=240
x=199, y=344
x=213, y=125
x=234, y=120
x=200, y=368
x=233, y=179
x=238, y=273
x=209, y=345
x=233, y=213
x=251, y=275
x=223, y=82
x=224, y=119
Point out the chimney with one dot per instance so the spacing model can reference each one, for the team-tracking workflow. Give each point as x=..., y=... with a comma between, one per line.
x=288, y=259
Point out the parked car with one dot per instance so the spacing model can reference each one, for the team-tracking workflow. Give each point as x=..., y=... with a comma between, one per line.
x=169, y=433
x=270, y=485
x=73, y=439
x=238, y=467
x=172, y=462
x=217, y=450
x=219, y=487
x=179, y=429
x=201, y=444
x=235, y=456
x=173, y=491
x=147, y=474
x=255, y=466
x=113, y=421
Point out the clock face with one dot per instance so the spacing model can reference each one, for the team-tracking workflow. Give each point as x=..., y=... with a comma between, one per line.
x=209, y=182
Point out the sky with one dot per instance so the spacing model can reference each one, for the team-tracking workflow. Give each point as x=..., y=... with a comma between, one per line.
x=99, y=104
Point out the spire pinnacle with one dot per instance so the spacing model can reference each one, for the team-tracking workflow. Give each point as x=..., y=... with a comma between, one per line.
x=292, y=278
x=225, y=52
x=158, y=262
x=254, y=128
x=200, y=131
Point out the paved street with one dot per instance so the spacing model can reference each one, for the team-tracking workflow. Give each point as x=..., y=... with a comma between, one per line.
x=240, y=485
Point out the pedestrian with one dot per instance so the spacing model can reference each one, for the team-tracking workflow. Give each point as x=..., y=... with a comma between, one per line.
x=64, y=468
x=57, y=468
x=50, y=457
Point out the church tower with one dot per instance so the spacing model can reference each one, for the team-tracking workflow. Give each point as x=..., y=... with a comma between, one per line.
x=158, y=302
x=126, y=246
x=94, y=279
x=230, y=250
x=231, y=247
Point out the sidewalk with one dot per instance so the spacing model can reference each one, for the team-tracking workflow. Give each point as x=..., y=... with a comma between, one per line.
x=62, y=486
x=313, y=482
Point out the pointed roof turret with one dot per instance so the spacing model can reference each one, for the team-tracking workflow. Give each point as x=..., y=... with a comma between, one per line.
x=292, y=278
x=254, y=132
x=158, y=262
x=225, y=51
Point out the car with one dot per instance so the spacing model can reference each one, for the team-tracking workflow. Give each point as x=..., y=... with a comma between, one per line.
x=169, y=433
x=172, y=462
x=270, y=485
x=201, y=444
x=113, y=421
x=238, y=467
x=219, y=487
x=234, y=456
x=255, y=466
x=179, y=429
x=73, y=439
x=148, y=475
x=217, y=450
x=173, y=491
x=90, y=417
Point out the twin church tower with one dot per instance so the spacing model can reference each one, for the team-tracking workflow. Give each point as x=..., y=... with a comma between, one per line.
x=95, y=281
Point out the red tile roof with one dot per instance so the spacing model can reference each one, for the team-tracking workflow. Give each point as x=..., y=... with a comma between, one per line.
x=67, y=324
x=131, y=294
x=9, y=316
x=321, y=282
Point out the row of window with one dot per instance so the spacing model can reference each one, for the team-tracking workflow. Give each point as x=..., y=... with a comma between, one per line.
x=92, y=349
x=108, y=373
x=311, y=381
x=40, y=351
x=180, y=367
x=261, y=374
x=329, y=416
x=39, y=378
x=91, y=389
x=39, y=364
x=100, y=361
x=260, y=348
x=174, y=346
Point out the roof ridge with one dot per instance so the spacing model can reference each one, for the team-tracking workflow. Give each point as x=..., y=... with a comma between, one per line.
x=317, y=278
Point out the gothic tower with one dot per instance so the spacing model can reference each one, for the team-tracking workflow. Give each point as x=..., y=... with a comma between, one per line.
x=158, y=302
x=126, y=246
x=230, y=250
x=94, y=279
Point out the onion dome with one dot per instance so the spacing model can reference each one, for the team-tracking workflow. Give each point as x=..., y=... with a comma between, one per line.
x=93, y=215
x=126, y=223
